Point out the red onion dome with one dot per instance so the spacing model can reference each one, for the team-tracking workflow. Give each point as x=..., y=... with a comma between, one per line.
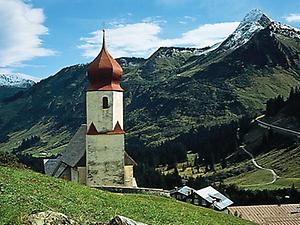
x=104, y=73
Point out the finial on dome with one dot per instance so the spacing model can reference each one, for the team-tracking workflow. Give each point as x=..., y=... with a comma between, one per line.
x=103, y=38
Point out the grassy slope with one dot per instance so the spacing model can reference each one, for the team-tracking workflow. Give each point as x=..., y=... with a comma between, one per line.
x=54, y=142
x=262, y=87
x=23, y=192
x=284, y=161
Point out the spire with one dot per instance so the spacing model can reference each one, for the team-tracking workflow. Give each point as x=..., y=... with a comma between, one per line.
x=103, y=39
x=104, y=73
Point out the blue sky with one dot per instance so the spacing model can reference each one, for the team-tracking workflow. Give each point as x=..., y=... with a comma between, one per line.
x=39, y=37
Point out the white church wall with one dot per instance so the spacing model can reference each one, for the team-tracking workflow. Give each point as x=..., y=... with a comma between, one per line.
x=128, y=176
x=118, y=108
x=102, y=118
x=105, y=160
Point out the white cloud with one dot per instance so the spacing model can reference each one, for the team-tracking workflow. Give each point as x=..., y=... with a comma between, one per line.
x=187, y=19
x=142, y=39
x=204, y=35
x=293, y=17
x=21, y=27
x=126, y=40
x=154, y=19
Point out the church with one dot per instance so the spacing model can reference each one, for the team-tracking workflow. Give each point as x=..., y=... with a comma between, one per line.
x=96, y=154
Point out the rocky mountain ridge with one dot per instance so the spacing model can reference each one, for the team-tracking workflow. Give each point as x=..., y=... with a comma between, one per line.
x=16, y=80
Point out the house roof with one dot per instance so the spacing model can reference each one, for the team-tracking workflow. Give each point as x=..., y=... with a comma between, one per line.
x=61, y=166
x=72, y=154
x=185, y=190
x=76, y=148
x=50, y=165
x=214, y=197
x=269, y=214
x=128, y=160
x=54, y=167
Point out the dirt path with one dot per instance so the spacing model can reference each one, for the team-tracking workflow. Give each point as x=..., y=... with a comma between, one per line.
x=275, y=176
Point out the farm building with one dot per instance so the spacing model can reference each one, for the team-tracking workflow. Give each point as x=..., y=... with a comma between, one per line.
x=207, y=197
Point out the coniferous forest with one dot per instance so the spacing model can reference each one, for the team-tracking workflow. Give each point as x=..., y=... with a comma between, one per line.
x=289, y=107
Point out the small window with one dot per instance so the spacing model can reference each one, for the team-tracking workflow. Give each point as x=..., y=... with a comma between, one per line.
x=105, y=103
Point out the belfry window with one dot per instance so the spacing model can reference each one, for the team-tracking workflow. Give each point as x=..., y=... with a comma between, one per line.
x=105, y=103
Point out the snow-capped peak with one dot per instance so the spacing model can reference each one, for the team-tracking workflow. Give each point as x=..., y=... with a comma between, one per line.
x=253, y=22
x=255, y=17
x=17, y=80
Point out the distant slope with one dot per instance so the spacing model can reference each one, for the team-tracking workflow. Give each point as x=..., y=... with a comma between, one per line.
x=24, y=192
x=271, y=150
x=6, y=92
x=274, y=140
x=274, y=151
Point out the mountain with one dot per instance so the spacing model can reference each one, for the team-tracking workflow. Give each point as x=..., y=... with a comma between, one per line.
x=17, y=80
x=253, y=22
x=10, y=84
x=174, y=91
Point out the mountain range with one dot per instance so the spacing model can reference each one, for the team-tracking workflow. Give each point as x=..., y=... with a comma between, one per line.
x=170, y=93
x=17, y=80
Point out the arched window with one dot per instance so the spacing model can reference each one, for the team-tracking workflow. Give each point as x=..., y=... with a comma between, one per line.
x=105, y=103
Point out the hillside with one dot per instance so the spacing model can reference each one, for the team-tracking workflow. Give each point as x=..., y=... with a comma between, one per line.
x=168, y=94
x=6, y=92
x=23, y=192
x=273, y=141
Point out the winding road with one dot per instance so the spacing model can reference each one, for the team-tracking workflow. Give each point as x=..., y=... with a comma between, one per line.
x=275, y=176
x=277, y=129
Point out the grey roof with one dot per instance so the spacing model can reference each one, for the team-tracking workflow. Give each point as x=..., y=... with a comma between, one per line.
x=185, y=190
x=54, y=167
x=214, y=197
x=76, y=147
x=72, y=154
x=128, y=160
x=59, y=169
x=50, y=165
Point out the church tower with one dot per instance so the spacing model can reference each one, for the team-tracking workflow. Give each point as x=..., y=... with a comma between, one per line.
x=105, y=135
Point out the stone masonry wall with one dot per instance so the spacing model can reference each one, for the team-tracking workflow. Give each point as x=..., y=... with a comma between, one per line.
x=105, y=160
